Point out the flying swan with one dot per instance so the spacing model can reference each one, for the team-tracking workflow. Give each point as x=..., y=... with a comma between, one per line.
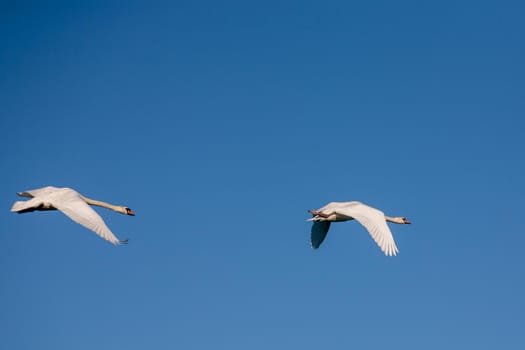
x=372, y=219
x=74, y=205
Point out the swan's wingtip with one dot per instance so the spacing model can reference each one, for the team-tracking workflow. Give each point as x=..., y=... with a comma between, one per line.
x=391, y=253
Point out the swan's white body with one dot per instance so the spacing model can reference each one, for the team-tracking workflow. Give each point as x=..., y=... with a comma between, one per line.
x=372, y=219
x=72, y=204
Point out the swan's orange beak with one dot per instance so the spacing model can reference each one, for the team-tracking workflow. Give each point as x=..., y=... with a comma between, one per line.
x=129, y=212
x=405, y=221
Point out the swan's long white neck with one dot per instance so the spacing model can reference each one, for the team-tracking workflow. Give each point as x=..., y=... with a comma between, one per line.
x=116, y=208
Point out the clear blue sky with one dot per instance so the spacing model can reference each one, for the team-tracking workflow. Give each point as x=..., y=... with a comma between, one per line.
x=220, y=124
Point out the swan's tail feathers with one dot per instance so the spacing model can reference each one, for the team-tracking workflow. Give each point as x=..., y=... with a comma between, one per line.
x=17, y=206
x=26, y=206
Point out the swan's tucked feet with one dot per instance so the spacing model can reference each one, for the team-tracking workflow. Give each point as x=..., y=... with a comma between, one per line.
x=320, y=214
x=124, y=241
x=24, y=194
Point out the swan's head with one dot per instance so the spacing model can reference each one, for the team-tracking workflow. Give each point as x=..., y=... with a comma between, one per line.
x=125, y=211
x=405, y=221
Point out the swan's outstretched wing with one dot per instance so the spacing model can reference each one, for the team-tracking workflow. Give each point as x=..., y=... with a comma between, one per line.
x=71, y=204
x=374, y=221
x=318, y=234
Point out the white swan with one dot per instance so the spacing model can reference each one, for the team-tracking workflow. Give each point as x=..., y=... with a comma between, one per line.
x=74, y=205
x=372, y=219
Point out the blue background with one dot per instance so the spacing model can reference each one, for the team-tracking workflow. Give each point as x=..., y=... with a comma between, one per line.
x=220, y=124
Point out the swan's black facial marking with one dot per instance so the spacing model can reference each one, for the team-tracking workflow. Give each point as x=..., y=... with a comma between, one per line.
x=405, y=221
x=129, y=212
